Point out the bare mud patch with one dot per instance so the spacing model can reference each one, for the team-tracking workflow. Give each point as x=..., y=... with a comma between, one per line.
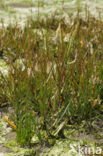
x=10, y=136
x=19, y=5
x=1, y=8
x=5, y=149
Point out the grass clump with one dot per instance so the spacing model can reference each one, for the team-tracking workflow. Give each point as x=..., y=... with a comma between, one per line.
x=54, y=76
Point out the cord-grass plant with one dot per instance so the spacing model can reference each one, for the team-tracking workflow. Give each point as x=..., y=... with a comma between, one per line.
x=52, y=78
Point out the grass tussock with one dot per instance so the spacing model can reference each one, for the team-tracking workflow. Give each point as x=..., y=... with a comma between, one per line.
x=55, y=74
